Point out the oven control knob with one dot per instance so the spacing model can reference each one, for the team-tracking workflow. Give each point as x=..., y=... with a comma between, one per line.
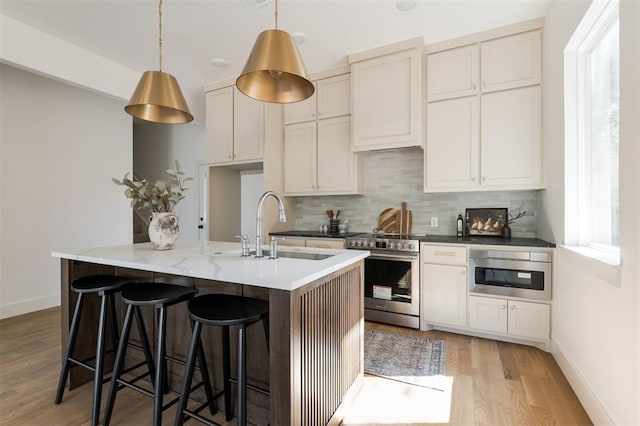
x=372, y=244
x=392, y=245
x=359, y=243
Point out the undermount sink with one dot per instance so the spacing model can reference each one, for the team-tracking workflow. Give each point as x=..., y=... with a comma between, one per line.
x=296, y=255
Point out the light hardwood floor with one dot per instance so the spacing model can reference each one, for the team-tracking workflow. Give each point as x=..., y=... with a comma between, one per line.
x=492, y=383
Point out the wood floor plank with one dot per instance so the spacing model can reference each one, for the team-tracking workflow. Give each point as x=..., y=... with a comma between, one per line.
x=492, y=383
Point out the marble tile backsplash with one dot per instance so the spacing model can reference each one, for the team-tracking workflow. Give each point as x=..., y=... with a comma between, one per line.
x=394, y=176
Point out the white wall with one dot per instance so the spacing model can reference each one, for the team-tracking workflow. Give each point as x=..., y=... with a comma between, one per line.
x=59, y=147
x=596, y=326
x=155, y=149
x=251, y=188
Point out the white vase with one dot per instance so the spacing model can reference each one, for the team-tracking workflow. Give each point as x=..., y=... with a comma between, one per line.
x=163, y=230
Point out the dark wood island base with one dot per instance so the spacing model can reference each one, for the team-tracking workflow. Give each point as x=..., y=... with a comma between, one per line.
x=315, y=361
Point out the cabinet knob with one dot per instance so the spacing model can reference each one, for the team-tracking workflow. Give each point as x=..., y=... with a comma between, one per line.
x=473, y=179
x=513, y=308
x=474, y=87
x=463, y=273
x=484, y=178
x=229, y=156
x=503, y=307
x=484, y=84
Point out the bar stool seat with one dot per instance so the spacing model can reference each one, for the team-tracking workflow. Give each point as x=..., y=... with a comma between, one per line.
x=226, y=311
x=106, y=286
x=160, y=296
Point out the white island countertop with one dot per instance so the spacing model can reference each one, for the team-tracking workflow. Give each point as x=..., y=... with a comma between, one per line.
x=221, y=261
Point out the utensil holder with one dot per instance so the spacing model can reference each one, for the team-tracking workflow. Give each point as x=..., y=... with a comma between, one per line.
x=333, y=226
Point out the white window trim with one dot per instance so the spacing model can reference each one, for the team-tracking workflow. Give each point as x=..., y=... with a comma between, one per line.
x=604, y=262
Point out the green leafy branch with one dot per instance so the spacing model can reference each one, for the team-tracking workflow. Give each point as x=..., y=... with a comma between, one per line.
x=162, y=196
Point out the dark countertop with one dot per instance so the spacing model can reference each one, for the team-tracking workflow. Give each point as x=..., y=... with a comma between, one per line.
x=443, y=239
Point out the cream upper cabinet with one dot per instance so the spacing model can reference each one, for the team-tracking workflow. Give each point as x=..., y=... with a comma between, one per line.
x=332, y=98
x=488, y=137
x=510, y=135
x=453, y=144
x=513, y=61
x=387, y=100
x=453, y=73
x=318, y=158
x=219, y=122
x=235, y=127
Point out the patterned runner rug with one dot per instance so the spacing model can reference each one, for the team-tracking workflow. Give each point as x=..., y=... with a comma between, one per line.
x=414, y=360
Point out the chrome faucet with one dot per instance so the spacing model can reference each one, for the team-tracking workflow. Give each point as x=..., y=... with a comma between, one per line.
x=282, y=218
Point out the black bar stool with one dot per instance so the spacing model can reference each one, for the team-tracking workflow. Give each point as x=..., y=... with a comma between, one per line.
x=223, y=310
x=106, y=286
x=160, y=296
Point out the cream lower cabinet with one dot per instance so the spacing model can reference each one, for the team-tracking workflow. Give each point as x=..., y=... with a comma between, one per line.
x=329, y=243
x=444, y=285
x=517, y=318
x=318, y=158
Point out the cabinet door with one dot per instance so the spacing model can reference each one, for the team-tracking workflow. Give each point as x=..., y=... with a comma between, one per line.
x=298, y=112
x=248, y=128
x=453, y=73
x=452, y=151
x=488, y=314
x=336, y=162
x=333, y=243
x=510, y=135
x=334, y=96
x=300, y=158
x=220, y=125
x=513, y=61
x=529, y=319
x=387, y=101
x=444, y=294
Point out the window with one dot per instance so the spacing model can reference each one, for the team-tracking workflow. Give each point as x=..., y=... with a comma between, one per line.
x=592, y=110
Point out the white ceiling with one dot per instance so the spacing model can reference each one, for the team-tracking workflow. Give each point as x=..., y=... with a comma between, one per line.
x=196, y=31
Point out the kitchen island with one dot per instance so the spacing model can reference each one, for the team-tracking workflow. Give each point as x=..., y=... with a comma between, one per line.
x=314, y=363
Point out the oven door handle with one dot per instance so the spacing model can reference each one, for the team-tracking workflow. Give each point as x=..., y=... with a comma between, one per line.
x=407, y=256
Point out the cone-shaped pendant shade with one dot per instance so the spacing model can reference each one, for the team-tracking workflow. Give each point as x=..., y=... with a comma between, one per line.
x=158, y=98
x=274, y=71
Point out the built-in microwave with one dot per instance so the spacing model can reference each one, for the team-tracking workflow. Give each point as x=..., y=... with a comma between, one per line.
x=511, y=273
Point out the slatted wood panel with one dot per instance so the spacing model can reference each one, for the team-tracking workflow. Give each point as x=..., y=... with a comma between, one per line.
x=331, y=345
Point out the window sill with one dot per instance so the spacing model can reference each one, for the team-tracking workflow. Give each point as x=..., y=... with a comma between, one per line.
x=603, y=265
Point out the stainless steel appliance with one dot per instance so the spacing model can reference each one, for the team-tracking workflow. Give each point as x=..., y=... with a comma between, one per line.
x=512, y=273
x=391, y=278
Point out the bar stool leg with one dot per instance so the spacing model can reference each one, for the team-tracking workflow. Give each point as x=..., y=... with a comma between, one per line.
x=242, y=376
x=115, y=330
x=118, y=365
x=194, y=347
x=160, y=367
x=204, y=374
x=226, y=373
x=71, y=342
x=146, y=346
x=97, y=378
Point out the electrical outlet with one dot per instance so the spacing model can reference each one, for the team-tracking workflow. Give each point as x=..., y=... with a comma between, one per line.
x=434, y=222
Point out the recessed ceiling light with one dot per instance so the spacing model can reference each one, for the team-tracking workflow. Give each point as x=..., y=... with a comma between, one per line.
x=405, y=4
x=299, y=37
x=219, y=62
x=254, y=4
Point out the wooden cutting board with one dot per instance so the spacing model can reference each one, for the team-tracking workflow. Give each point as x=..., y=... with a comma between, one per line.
x=404, y=219
x=387, y=220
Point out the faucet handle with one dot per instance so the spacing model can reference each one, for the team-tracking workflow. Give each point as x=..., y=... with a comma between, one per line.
x=274, y=247
x=244, y=241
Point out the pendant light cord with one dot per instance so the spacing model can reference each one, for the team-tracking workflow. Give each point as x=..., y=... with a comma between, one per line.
x=276, y=14
x=160, y=36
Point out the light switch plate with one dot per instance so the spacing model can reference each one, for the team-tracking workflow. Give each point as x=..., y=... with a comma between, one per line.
x=434, y=222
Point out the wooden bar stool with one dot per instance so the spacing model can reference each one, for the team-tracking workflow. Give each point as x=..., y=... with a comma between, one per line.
x=160, y=296
x=226, y=311
x=106, y=286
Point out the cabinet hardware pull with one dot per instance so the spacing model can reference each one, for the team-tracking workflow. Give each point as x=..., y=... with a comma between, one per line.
x=513, y=308
x=444, y=253
x=503, y=307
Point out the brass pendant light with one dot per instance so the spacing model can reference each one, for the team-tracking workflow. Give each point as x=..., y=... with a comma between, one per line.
x=158, y=97
x=274, y=71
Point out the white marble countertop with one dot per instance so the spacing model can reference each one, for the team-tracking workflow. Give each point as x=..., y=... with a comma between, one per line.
x=220, y=261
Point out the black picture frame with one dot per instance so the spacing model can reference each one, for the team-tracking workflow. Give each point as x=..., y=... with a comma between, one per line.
x=487, y=222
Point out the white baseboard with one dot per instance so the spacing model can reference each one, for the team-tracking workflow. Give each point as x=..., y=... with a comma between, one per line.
x=27, y=306
x=592, y=405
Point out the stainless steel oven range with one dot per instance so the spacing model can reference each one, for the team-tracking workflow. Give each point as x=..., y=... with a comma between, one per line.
x=391, y=278
x=512, y=273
